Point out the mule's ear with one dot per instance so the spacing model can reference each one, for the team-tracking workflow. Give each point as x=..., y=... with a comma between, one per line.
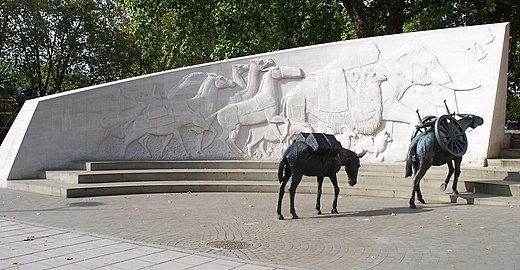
x=362, y=154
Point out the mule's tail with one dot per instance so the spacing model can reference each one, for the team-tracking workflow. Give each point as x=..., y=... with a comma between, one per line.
x=408, y=166
x=409, y=161
x=283, y=170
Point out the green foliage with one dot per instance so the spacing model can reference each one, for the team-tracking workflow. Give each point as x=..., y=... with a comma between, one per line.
x=61, y=45
x=6, y=77
x=513, y=106
x=181, y=33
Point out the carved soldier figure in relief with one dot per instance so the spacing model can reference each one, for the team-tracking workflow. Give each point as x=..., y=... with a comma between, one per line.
x=164, y=117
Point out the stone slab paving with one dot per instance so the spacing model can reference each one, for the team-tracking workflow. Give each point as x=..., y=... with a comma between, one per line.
x=178, y=231
x=30, y=246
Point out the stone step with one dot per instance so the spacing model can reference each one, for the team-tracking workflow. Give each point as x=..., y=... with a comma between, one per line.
x=186, y=164
x=374, y=179
x=508, y=163
x=387, y=177
x=85, y=177
x=510, y=153
x=495, y=172
x=495, y=187
x=57, y=188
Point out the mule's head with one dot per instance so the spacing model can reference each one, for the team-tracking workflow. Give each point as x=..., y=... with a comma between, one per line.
x=470, y=120
x=351, y=162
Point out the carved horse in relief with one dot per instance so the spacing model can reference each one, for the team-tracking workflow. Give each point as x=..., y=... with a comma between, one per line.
x=263, y=107
x=165, y=118
x=425, y=151
x=298, y=160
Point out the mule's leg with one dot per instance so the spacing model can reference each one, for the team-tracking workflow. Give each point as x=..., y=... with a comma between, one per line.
x=419, y=194
x=334, y=181
x=450, y=173
x=142, y=141
x=419, y=174
x=457, y=174
x=177, y=134
x=167, y=141
x=318, y=198
x=295, y=181
x=281, y=192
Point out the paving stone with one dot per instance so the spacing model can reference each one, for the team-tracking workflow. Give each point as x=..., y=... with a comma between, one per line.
x=175, y=229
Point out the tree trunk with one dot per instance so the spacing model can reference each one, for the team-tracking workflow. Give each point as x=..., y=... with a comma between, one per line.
x=356, y=16
x=396, y=18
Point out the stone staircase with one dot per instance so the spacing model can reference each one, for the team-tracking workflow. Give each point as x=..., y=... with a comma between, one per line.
x=499, y=183
x=513, y=151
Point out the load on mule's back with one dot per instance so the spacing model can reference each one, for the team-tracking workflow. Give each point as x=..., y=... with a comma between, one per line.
x=442, y=142
x=315, y=154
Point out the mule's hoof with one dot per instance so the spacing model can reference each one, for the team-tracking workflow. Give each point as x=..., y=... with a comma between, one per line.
x=318, y=212
x=295, y=216
x=422, y=201
x=413, y=206
x=443, y=187
x=334, y=211
x=280, y=217
x=455, y=192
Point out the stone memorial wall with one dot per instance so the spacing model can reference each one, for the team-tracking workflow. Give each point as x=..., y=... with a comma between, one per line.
x=365, y=92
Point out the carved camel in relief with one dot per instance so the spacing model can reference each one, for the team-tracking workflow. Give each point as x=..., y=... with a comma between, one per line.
x=263, y=107
x=254, y=78
x=364, y=114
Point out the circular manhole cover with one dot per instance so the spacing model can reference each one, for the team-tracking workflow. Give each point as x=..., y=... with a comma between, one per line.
x=229, y=244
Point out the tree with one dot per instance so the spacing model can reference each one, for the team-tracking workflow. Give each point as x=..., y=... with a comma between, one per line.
x=66, y=44
x=371, y=18
x=6, y=78
x=180, y=33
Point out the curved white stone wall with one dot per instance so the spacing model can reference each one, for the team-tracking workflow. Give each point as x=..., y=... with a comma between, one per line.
x=364, y=91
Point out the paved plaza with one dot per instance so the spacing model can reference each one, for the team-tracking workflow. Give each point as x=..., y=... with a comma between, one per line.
x=240, y=231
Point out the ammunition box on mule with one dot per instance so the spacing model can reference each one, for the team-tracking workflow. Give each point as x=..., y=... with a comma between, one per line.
x=321, y=143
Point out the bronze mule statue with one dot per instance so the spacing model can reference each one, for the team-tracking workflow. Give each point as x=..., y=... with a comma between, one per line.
x=299, y=160
x=426, y=151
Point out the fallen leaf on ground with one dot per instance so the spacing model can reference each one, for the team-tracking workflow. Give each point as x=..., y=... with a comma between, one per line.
x=458, y=223
x=14, y=263
x=29, y=238
x=393, y=214
x=69, y=258
x=128, y=217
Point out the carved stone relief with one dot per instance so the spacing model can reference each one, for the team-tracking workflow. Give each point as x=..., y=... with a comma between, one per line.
x=358, y=97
